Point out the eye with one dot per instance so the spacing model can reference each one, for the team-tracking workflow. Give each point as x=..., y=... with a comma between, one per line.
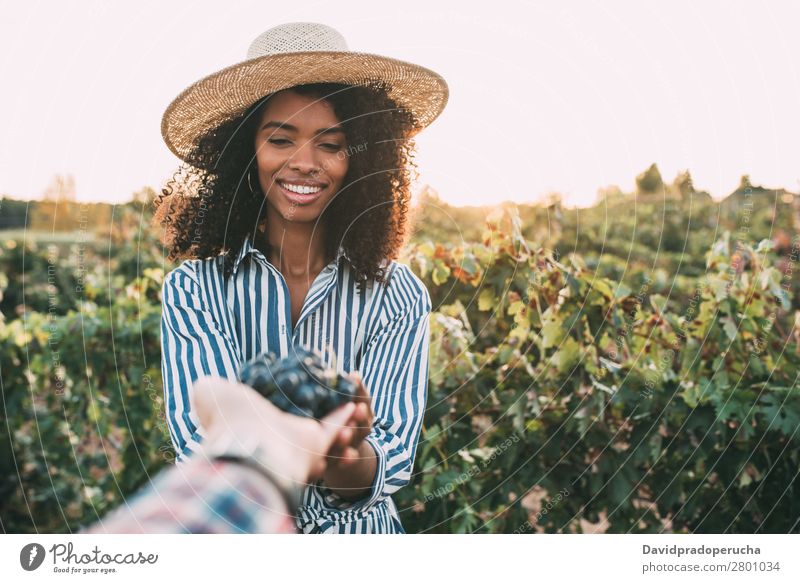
x=332, y=147
x=278, y=141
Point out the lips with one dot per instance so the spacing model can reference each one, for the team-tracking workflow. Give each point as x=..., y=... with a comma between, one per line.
x=301, y=198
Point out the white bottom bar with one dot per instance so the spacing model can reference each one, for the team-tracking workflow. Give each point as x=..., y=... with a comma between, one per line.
x=484, y=558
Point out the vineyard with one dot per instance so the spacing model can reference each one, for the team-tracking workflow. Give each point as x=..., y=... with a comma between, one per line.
x=629, y=367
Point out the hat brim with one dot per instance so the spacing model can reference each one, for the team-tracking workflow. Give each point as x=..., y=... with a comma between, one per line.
x=228, y=93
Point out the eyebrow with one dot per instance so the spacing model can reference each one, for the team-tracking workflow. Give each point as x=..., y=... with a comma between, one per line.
x=291, y=128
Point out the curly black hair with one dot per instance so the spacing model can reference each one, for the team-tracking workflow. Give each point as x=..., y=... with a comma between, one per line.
x=207, y=208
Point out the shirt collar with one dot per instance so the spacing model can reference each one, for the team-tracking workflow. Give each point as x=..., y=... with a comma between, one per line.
x=248, y=248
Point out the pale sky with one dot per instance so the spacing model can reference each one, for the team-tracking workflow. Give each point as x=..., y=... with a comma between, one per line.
x=544, y=96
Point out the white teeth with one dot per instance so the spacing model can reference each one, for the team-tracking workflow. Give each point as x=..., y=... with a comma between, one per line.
x=301, y=189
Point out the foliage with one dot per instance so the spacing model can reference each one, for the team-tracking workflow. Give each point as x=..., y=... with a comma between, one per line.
x=93, y=263
x=82, y=395
x=625, y=407
x=592, y=369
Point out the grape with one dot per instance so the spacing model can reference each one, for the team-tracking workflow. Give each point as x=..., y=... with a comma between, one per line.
x=304, y=395
x=299, y=384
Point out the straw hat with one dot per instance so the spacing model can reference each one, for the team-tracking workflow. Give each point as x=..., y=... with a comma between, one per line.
x=294, y=54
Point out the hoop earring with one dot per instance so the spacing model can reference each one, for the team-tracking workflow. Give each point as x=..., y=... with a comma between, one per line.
x=250, y=185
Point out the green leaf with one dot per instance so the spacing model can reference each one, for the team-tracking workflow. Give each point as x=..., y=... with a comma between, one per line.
x=427, y=248
x=601, y=286
x=781, y=414
x=93, y=411
x=744, y=479
x=622, y=291
x=440, y=272
x=719, y=286
x=568, y=356
x=552, y=333
x=659, y=302
x=620, y=488
x=469, y=265
x=533, y=425
x=729, y=326
x=577, y=261
x=487, y=300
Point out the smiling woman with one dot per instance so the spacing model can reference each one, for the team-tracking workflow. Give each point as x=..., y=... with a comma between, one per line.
x=290, y=214
x=208, y=207
x=300, y=172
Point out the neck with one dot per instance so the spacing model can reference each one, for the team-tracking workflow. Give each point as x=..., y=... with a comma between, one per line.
x=297, y=249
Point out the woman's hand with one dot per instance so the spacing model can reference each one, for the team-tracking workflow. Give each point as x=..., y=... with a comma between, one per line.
x=347, y=445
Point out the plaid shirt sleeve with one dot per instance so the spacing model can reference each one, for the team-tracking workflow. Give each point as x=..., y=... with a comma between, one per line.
x=218, y=497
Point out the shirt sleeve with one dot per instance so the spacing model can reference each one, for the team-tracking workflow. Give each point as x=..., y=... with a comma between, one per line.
x=193, y=345
x=202, y=497
x=394, y=368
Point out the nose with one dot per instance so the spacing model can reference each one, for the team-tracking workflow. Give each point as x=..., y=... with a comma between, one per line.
x=304, y=161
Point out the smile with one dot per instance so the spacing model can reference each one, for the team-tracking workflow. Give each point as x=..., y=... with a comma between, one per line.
x=300, y=194
x=300, y=189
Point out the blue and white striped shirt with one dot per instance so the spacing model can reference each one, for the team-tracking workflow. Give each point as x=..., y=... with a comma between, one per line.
x=211, y=326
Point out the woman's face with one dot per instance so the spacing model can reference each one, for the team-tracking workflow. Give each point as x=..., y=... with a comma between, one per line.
x=301, y=154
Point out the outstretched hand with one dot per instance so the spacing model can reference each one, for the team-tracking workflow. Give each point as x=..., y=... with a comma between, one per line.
x=296, y=445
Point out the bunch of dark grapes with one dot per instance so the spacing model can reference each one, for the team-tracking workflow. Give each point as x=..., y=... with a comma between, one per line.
x=298, y=384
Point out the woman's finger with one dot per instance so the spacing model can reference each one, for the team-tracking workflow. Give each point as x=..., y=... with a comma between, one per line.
x=365, y=417
x=362, y=394
x=345, y=436
x=339, y=444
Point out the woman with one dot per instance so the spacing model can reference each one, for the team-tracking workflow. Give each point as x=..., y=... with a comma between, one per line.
x=289, y=216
